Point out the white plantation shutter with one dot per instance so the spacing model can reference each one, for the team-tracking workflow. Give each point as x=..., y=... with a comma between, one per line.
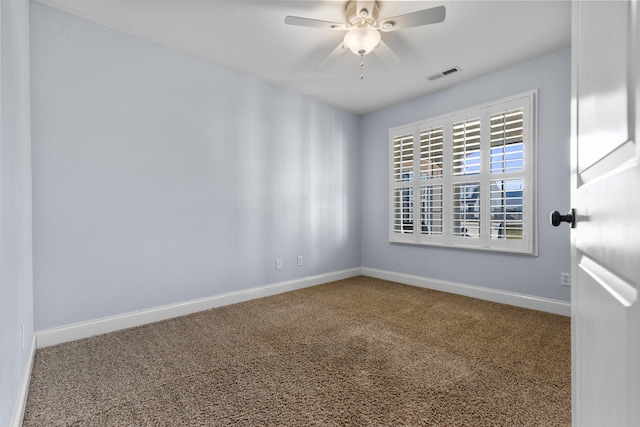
x=507, y=146
x=416, y=207
x=511, y=186
x=466, y=147
x=466, y=210
x=402, y=184
x=431, y=153
x=403, y=210
x=402, y=157
x=467, y=178
x=431, y=210
x=507, y=220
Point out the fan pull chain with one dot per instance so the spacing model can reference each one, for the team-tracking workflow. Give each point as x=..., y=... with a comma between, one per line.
x=361, y=66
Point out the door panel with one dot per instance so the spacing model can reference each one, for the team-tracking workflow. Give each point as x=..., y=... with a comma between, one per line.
x=603, y=373
x=605, y=210
x=602, y=89
x=605, y=194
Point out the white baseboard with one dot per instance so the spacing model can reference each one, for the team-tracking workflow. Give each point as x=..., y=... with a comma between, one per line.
x=115, y=323
x=81, y=330
x=511, y=298
x=21, y=402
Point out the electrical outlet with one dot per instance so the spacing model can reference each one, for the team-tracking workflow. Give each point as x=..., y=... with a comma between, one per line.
x=279, y=264
x=300, y=261
x=565, y=279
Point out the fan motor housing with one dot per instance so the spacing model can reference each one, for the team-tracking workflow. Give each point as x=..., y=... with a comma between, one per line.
x=355, y=18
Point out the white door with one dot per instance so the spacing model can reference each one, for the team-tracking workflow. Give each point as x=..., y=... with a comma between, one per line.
x=605, y=193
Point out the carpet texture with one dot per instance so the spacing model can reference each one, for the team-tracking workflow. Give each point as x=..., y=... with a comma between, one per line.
x=359, y=351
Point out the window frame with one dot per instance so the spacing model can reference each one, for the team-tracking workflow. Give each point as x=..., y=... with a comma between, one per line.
x=446, y=180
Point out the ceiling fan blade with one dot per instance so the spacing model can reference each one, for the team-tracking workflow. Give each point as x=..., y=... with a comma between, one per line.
x=313, y=23
x=386, y=54
x=397, y=43
x=433, y=15
x=335, y=53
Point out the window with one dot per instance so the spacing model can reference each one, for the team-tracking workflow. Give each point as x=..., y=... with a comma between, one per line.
x=467, y=179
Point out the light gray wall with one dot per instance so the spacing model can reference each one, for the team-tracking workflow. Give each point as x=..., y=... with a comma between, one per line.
x=538, y=276
x=16, y=279
x=159, y=178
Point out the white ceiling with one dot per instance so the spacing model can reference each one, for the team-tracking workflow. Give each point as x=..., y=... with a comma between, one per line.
x=250, y=37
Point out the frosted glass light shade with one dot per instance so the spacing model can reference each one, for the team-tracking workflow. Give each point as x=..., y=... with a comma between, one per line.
x=362, y=40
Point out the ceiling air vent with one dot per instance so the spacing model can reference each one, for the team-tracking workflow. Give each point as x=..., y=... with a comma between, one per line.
x=444, y=73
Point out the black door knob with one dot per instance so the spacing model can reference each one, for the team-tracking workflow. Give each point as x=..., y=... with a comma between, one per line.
x=556, y=218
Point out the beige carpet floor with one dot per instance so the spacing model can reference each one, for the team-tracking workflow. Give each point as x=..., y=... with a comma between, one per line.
x=356, y=352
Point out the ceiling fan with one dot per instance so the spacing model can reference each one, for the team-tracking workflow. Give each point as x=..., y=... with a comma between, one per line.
x=363, y=28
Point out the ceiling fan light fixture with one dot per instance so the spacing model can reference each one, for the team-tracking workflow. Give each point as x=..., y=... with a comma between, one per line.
x=362, y=40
